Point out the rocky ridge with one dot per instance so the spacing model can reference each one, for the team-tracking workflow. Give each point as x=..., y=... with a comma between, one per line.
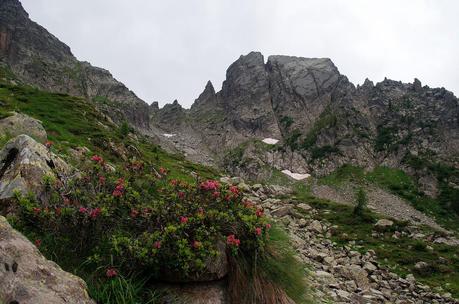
x=321, y=119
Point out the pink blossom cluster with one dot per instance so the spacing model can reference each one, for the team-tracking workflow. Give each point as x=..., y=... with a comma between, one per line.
x=232, y=240
x=209, y=185
x=119, y=189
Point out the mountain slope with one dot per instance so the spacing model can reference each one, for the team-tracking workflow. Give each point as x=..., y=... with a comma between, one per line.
x=38, y=58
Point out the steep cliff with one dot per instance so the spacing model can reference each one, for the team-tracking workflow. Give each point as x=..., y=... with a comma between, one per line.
x=321, y=119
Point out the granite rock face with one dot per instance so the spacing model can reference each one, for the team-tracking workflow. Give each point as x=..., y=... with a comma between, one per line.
x=38, y=58
x=246, y=97
x=26, y=277
x=321, y=120
x=23, y=164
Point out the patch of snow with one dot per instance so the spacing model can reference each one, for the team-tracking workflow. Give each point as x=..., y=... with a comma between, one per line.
x=297, y=176
x=169, y=135
x=270, y=141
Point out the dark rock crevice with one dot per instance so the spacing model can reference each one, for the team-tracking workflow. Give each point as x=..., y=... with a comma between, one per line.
x=9, y=159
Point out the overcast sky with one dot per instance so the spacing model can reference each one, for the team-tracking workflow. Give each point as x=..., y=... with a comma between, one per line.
x=168, y=49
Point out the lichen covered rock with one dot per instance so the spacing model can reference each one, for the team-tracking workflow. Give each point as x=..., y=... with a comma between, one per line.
x=26, y=277
x=23, y=164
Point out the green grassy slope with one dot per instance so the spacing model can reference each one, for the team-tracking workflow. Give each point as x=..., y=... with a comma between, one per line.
x=443, y=208
x=74, y=122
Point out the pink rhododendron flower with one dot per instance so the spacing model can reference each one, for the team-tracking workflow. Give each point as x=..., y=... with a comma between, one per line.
x=83, y=210
x=183, y=219
x=181, y=195
x=234, y=190
x=232, y=240
x=111, y=272
x=38, y=243
x=174, y=182
x=117, y=193
x=157, y=244
x=216, y=194
x=95, y=212
x=97, y=159
x=102, y=179
x=268, y=226
x=258, y=231
x=259, y=212
x=119, y=189
x=209, y=185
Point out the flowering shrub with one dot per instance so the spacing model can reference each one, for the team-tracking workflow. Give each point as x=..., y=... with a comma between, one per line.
x=139, y=220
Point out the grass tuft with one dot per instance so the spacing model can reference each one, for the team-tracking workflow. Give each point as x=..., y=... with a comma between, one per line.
x=275, y=276
x=122, y=290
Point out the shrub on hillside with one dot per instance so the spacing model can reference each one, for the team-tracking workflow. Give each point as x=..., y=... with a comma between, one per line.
x=361, y=202
x=141, y=220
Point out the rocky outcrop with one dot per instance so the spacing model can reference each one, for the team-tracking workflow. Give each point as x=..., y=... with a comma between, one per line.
x=19, y=123
x=38, y=58
x=321, y=120
x=23, y=164
x=26, y=277
x=302, y=88
x=246, y=97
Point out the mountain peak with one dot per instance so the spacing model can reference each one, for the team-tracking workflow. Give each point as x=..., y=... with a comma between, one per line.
x=209, y=87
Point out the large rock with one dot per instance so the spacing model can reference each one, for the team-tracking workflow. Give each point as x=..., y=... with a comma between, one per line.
x=383, y=224
x=316, y=226
x=23, y=164
x=356, y=273
x=26, y=277
x=19, y=123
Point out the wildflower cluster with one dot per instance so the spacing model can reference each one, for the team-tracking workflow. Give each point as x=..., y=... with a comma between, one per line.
x=138, y=219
